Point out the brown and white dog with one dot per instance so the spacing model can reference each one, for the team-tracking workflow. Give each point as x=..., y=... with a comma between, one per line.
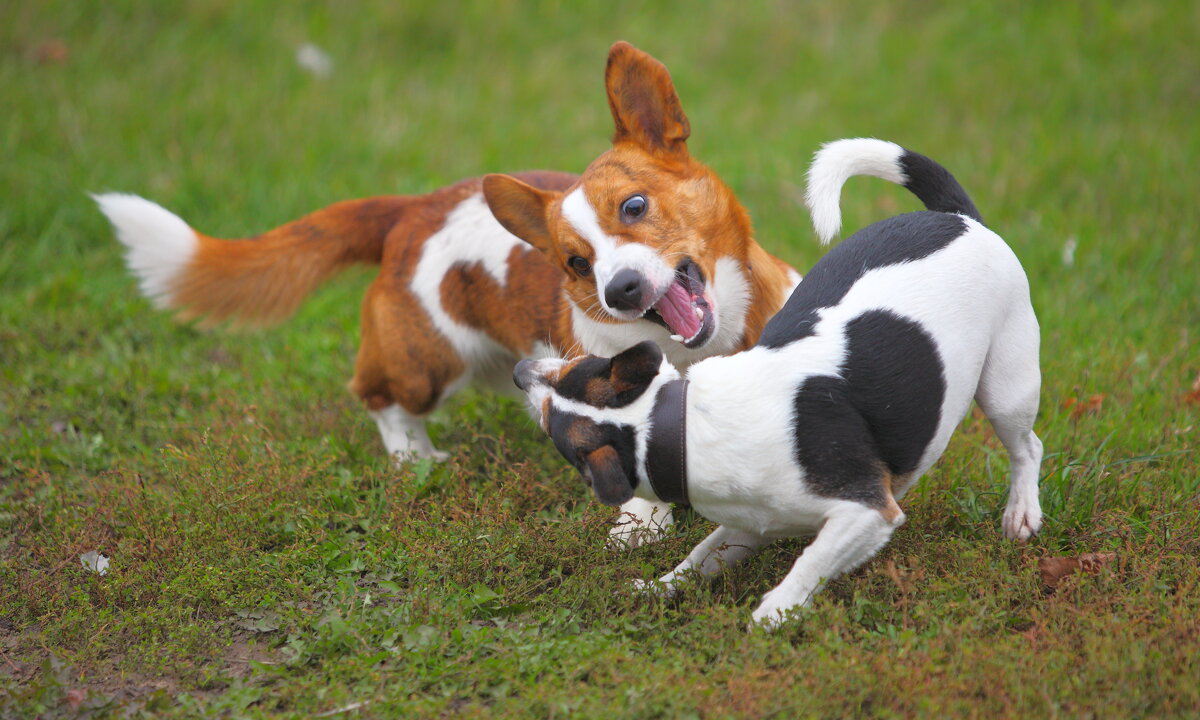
x=647, y=244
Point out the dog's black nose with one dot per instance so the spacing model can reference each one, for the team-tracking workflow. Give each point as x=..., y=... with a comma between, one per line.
x=625, y=290
x=524, y=374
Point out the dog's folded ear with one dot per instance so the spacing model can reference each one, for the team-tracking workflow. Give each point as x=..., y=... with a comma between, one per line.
x=645, y=107
x=636, y=366
x=607, y=476
x=521, y=209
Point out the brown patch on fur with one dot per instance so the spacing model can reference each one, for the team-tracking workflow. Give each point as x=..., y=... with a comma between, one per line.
x=565, y=370
x=769, y=278
x=582, y=433
x=517, y=314
x=599, y=392
x=402, y=358
x=891, y=509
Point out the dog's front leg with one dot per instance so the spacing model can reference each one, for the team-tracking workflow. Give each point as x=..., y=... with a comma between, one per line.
x=641, y=522
x=724, y=547
x=849, y=538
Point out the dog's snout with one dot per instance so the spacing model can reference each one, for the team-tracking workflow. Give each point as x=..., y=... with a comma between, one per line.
x=524, y=374
x=625, y=290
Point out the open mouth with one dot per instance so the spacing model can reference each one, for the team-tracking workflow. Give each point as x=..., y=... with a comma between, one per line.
x=683, y=309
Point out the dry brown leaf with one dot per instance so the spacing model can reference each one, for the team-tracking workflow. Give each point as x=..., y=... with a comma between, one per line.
x=1194, y=396
x=1079, y=407
x=75, y=697
x=1054, y=569
x=904, y=578
x=52, y=52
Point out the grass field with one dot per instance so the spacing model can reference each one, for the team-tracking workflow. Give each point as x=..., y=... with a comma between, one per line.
x=267, y=560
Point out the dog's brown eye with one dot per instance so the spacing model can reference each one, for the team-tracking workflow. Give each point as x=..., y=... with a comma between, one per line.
x=580, y=265
x=633, y=208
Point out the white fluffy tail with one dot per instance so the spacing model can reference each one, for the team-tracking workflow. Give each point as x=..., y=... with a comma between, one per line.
x=841, y=160
x=159, y=244
x=837, y=162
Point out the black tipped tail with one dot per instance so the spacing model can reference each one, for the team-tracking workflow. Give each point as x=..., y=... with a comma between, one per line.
x=935, y=186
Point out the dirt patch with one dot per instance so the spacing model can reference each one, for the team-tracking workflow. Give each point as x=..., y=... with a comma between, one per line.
x=34, y=675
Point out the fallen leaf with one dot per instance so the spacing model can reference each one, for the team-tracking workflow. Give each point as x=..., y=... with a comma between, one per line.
x=314, y=59
x=1054, y=569
x=95, y=562
x=52, y=52
x=1068, y=251
x=904, y=578
x=75, y=697
x=1080, y=408
x=1194, y=396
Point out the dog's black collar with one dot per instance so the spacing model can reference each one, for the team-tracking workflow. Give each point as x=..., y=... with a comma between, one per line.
x=666, y=448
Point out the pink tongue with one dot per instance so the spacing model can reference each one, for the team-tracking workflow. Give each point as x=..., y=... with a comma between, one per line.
x=678, y=312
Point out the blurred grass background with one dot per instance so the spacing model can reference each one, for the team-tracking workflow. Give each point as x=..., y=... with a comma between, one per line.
x=243, y=494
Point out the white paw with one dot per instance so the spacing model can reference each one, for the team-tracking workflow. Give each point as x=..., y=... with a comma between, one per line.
x=654, y=588
x=628, y=536
x=630, y=531
x=411, y=456
x=768, y=618
x=775, y=610
x=1022, y=519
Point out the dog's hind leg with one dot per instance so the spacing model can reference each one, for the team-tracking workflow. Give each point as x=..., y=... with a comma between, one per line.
x=404, y=434
x=724, y=547
x=1008, y=393
x=404, y=369
x=850, y=536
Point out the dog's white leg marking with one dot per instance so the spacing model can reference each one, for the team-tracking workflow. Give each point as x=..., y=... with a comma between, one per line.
x=1008, y=392
x=404, y=435
x=850, y=537
x=641, y=522
x=724, y=547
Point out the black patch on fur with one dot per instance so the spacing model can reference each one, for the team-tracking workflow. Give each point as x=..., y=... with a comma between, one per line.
x=897, y=240
x=634, y=368
x=576, y=437
x=935, y=186
x=574, y=385
x=611, y=383
x=881, y=414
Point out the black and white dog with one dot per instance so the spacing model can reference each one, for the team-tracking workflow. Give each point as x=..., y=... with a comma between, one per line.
x=850, y=395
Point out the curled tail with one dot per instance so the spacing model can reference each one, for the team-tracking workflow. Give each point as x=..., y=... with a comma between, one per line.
x=840, y=160
x=253, y=282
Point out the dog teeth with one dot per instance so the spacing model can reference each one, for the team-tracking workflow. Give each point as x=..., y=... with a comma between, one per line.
x=677, y=338
x=699, y=312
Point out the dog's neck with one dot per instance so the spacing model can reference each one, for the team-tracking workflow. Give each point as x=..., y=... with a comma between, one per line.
x=666, y=447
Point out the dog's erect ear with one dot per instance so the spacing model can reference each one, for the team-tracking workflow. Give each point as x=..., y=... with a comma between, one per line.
x=636, y=366
x=607, y=476
x=521, y=209
x=644, y=105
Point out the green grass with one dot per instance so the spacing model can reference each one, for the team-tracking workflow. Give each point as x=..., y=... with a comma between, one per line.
x=266, y=559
